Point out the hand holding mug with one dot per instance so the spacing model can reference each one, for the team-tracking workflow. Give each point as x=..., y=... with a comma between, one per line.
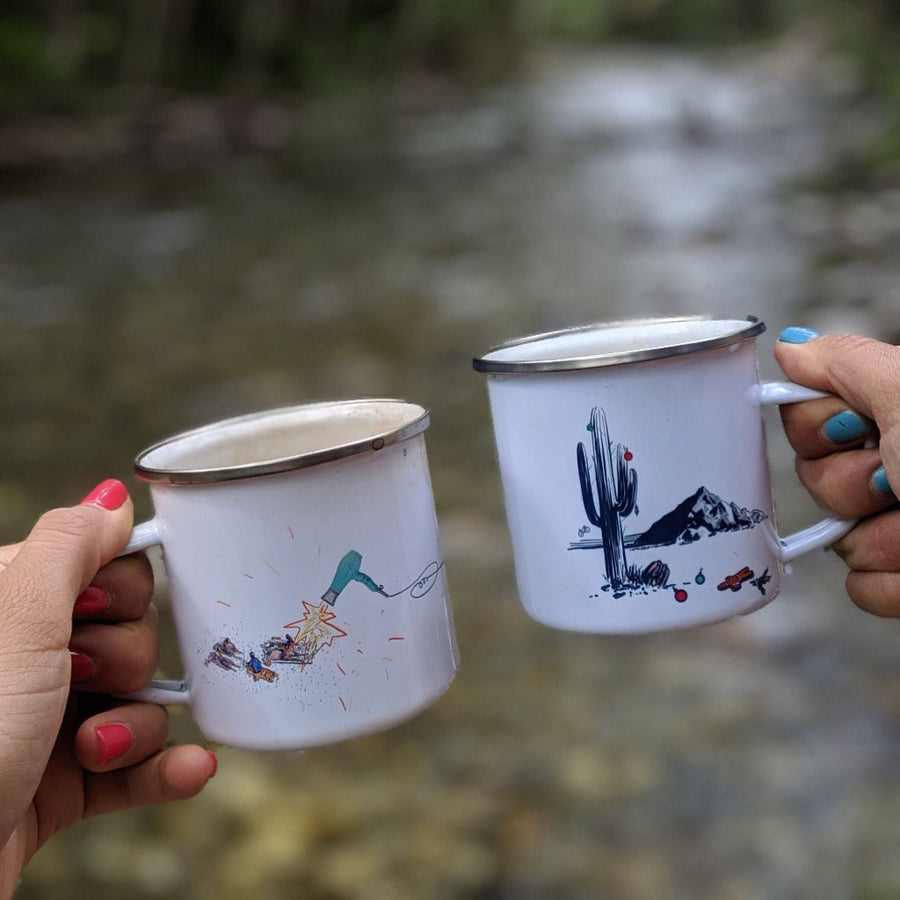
x=848, y=451
x=78, y=625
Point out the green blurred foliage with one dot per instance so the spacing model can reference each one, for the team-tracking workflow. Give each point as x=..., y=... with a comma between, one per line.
x=55, y=51
x=869, y=33
x=70, y=55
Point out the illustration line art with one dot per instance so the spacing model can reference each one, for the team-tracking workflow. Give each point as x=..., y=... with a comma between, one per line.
x=302, y=640
x=608, y=479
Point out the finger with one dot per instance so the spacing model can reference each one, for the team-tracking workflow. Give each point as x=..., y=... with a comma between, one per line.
x=120, y=591
x=173, y=774
x=817, y=428
x=122, y=751
x=115, y=659
x=859, y=369
x=873, y=545
x=121, y=736
x=865, y=372
x=877, y=593
x=845, y=484
x=38, y=588
x=55, y=564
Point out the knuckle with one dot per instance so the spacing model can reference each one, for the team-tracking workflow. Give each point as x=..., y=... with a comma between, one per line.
x=849, y=355
x=139, y=673
x=144, y=654
x=877, y=593
x=130, y=583
x=810, y=474
x=883, y=542
x=65, y=524
x=845, y=548
x=68, y=533
x=143, y=572
x=148, y=654
x=849, y=351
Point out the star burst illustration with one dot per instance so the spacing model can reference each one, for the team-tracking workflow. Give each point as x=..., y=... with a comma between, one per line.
x=316, y=628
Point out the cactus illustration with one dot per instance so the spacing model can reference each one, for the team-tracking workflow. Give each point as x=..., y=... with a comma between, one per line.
x=609, y=492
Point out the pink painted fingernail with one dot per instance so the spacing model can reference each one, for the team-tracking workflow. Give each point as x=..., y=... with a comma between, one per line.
x=90, y=601
x=114, y=739
x=215, y=763
x=82, y=666
x=109, y=494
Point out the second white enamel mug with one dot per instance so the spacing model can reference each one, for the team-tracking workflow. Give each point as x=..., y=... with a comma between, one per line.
x=635, y=475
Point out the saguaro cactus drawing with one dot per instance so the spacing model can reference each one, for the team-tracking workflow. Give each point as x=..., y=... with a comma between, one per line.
x=609, y=492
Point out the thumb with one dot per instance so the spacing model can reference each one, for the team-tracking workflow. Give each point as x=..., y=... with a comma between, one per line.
x=862, y=371
x=37, y=592
x=57, y=561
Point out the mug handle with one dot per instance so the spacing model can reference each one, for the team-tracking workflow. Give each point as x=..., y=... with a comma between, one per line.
x=161, y=692
x=828, y=530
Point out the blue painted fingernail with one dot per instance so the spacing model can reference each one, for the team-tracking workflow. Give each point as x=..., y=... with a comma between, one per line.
x=795, y=335
x=845, y=427
x=880, y=482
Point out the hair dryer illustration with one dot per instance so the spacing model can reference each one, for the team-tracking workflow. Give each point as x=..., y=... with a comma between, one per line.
x=347, y=571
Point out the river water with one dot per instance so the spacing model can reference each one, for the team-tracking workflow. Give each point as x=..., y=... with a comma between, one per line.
x=751, y=759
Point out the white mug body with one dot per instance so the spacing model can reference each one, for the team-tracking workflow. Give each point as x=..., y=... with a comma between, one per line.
x=637, y=492
x=311, y=604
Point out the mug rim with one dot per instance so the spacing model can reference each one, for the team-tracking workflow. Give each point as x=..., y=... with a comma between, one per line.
x=375, y=439
x=745, y=329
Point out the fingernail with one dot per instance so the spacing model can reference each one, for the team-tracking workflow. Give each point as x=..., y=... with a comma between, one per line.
x=796, y=335
x=114, y=739
x=82, y=667
x=845, y=427
x=90, y=601
x=109, y=494
x=215, y=763
x=880, y=483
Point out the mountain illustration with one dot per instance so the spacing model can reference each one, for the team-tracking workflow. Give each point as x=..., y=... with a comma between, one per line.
x=701, y=515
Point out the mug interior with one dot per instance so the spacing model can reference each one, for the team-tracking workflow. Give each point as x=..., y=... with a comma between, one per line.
x=280, y=440
x=615, y=343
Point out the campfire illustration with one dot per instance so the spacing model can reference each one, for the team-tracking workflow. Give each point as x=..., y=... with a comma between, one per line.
x=315, y=630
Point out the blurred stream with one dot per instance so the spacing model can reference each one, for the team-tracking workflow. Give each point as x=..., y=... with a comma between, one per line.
x=751, y=759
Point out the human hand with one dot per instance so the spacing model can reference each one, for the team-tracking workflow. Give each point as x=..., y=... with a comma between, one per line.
x=848, y=451
x=78, y=626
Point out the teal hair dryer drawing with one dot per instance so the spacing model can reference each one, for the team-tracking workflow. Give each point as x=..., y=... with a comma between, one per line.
x=347, y=571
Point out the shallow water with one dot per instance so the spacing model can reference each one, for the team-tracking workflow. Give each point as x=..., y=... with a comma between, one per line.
x=750, y=759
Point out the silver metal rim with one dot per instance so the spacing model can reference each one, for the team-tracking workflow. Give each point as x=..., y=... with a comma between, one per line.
x=188, y=475
x=749, y=329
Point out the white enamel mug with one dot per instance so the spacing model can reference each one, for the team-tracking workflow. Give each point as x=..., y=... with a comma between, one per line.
x=635, y=476
x=308, y=591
